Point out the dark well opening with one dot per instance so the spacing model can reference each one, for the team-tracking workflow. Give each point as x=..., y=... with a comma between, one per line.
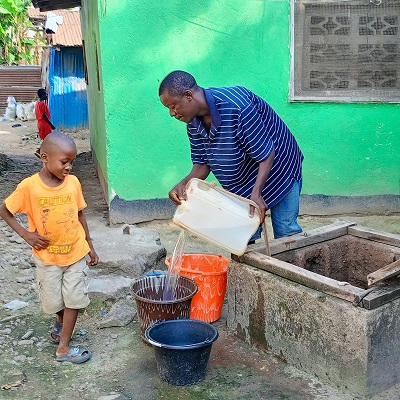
x=346, y=259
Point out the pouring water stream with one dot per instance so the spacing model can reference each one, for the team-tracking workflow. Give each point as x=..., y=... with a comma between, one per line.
x=174, y=268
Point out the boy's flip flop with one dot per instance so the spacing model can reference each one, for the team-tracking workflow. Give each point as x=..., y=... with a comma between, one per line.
x=75, y=355
x=55, y=332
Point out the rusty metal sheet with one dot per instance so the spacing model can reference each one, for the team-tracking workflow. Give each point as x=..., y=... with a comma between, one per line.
x=21, y=82
x=48, y=5
x=69, y=32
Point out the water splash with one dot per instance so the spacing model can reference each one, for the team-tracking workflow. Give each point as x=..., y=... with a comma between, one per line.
x=174, y=268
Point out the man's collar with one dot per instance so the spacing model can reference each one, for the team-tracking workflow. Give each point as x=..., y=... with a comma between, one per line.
x=215, y=117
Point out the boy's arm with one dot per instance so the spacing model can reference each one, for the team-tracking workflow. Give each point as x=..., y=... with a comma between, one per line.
x=94, y=258
x=46, y=118
x=33, y=238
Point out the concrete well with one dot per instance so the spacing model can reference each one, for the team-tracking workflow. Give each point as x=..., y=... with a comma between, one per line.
x=310, y=305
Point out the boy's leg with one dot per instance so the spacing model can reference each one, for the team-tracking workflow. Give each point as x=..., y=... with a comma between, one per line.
x=70, y=317
x=69, y=320
x=64, y=351
x=60, y=316
x=284, y=214
x=75, y=296
x=49, y=282
x=56, y=330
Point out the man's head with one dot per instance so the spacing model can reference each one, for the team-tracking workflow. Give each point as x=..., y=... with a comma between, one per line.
x=176, y=83
x=42, y=94
x=58, y=151
x=180, y=93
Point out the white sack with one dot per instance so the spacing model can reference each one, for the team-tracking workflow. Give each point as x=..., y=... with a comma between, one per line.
x=20, y=111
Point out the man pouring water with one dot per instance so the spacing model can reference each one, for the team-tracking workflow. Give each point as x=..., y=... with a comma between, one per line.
x=237, y=136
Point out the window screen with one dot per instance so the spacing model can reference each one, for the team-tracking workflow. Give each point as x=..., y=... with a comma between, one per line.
x=345, y=50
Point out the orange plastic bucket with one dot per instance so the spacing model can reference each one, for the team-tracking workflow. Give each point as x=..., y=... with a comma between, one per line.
x=209, y=273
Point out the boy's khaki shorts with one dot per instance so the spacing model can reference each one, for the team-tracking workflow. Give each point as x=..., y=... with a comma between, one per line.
x=61, y=287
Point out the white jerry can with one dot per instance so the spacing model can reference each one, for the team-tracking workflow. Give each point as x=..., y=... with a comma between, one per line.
x=217, y=215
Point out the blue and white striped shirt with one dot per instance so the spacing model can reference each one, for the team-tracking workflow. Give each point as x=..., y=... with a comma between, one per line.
x=244, y=131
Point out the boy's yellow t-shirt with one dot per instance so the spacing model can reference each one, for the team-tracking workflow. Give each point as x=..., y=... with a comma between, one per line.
x=53, y=212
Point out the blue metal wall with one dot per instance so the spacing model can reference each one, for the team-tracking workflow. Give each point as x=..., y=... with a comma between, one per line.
x=67, y=100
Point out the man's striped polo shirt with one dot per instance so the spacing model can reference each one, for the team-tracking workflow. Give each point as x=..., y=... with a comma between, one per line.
x=244, y=131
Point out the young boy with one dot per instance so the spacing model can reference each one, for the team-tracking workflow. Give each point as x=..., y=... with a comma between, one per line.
x=59, y=236
x=42, y=113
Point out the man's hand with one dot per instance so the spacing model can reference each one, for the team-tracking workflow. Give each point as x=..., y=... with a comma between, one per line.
x=263, y=207
x=264, y=168
x=177, y=193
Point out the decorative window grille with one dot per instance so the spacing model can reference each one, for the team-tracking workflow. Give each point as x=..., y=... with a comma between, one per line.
x=345, y=51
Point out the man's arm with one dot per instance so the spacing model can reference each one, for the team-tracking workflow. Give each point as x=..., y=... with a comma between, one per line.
x=264, y=169
x=256, y=140
x=199, y=171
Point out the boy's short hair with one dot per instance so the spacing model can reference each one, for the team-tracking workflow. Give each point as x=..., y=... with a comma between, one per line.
x=41, y=92
x=56, y=139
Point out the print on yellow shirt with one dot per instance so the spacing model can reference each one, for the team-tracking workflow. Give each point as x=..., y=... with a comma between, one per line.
x=57, y=206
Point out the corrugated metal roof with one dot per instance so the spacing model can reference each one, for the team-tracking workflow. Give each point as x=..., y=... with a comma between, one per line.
x=46, y=5
x=21, y=82
x=69, y=32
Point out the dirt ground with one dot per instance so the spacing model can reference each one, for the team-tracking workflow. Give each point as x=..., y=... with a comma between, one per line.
x=122, y=367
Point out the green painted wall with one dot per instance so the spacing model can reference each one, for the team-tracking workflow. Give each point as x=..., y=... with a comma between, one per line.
x=91, y=37
x=350, y=149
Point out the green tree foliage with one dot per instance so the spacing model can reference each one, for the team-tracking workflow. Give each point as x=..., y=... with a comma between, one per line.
x=15, y=46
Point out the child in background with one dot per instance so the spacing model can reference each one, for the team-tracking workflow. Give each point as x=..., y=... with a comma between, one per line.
x=59, y=236
x=42, y=113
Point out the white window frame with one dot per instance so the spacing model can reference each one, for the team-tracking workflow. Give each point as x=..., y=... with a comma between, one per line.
x=297, y=93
